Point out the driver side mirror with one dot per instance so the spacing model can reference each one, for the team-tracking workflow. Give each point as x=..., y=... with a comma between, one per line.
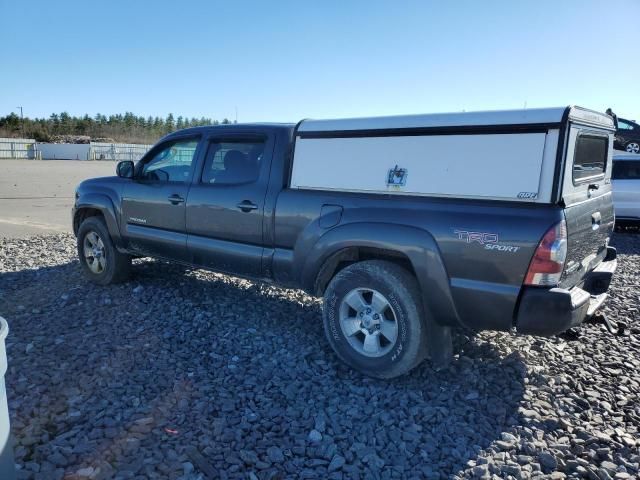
x=125, y=169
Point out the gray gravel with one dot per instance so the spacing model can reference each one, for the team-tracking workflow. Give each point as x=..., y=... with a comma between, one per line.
x=188, y=374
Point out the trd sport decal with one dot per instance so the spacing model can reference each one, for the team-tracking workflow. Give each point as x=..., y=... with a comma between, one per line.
x=479, y=237
x=489, y=241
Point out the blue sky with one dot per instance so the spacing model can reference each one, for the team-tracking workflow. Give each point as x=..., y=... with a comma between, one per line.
x=287, y=60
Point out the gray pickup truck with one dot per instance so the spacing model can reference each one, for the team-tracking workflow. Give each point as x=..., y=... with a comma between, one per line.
x=407, y=226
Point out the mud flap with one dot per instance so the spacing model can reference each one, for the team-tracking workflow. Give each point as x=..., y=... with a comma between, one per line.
x=439, y=345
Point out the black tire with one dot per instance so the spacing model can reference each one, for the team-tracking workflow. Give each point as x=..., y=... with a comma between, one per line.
x=117, y=266
x=400, y=289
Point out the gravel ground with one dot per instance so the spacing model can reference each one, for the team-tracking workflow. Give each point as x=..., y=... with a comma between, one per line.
x=188, y=374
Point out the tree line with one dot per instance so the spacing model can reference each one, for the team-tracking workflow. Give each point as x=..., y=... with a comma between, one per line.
x=125, y=128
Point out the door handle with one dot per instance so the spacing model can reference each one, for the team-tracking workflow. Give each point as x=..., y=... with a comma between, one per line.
x=592, y=188
x=175, y=199
x=247, y=206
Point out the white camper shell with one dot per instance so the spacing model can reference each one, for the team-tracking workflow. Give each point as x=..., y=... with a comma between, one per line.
x=513, y=155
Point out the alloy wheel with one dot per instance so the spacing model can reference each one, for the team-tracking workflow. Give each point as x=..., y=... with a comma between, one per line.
x=633, y=147
x=369, y=322
x=94, y=252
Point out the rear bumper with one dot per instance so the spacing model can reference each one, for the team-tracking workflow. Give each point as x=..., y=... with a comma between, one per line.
x=544, y=311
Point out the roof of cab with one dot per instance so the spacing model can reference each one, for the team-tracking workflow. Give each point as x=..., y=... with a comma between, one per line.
x=230, y=127
x=547, y=117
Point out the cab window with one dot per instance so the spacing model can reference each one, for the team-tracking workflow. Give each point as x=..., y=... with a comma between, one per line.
x=233, y=162
x=172, y=163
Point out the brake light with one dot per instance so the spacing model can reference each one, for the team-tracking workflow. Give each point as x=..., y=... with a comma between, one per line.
x=547, y=263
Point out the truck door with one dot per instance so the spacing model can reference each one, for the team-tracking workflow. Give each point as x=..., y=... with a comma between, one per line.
x=225, y=205
x=153, y=204
x=586, y=193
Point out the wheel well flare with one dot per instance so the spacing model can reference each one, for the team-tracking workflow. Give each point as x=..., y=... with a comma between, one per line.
x=82, y=214
x=347, y=256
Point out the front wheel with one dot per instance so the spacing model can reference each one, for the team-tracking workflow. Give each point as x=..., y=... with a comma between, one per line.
x=373, y=318
x=633, y=147
x=100, y=260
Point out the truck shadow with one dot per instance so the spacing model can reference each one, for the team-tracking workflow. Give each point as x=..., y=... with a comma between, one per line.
x=187, y=360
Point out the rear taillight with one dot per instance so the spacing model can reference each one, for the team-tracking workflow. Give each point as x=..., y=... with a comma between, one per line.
x=547, y=263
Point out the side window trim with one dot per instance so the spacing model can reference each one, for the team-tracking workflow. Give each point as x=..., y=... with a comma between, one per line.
x=150, y=155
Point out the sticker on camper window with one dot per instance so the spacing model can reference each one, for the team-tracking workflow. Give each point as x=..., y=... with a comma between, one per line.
x=397, y=177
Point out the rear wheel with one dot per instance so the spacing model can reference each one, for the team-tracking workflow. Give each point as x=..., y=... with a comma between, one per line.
x=373, y=318
x=100, y=260
x=633, y=147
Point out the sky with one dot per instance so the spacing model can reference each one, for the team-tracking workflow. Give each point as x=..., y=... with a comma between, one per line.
x=283, y=60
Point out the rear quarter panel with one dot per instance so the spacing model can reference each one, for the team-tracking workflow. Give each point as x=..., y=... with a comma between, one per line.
x=485, y=246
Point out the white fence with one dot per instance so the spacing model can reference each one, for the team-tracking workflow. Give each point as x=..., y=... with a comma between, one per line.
x=117, y=151
x=23, y=148
x=64, y=151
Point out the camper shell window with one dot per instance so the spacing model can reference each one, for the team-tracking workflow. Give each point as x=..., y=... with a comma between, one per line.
x=590, y=157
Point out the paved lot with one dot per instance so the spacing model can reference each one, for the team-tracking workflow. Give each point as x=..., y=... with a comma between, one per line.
x=36, y=196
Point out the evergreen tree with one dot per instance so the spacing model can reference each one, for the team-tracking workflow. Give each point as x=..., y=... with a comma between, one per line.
x=169, y=125
x=55, y=123
x=123, y=128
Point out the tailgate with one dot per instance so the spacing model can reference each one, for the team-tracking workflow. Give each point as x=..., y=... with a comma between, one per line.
x=586, y=193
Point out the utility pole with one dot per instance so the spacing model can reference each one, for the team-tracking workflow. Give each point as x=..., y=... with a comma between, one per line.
x=21, y=121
